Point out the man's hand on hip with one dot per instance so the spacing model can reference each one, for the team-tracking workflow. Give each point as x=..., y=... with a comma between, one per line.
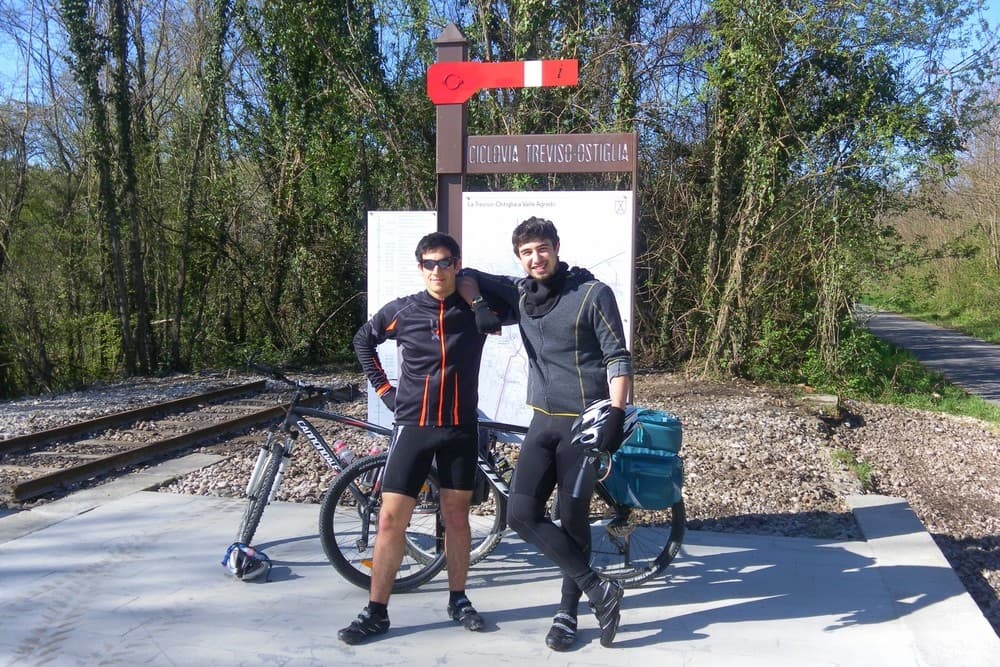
x=389, y=399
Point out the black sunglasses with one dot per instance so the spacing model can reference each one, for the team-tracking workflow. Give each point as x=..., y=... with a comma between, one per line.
x=445, y=263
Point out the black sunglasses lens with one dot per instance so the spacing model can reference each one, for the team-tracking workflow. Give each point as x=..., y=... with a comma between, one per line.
x=445, y=263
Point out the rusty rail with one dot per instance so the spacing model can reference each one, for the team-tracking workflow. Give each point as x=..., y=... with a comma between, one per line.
x=42, y=484
x=128, y=416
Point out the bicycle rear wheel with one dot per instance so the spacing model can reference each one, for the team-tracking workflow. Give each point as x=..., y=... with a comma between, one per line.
x=487, y=522
x=259, y=492
x=630, y=545
x=348, y=527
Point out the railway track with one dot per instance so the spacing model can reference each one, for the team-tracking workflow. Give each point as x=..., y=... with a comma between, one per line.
x=59, y=459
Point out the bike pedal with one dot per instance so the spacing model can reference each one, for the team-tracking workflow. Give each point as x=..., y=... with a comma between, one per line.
x=619, y=527
x=425, y=509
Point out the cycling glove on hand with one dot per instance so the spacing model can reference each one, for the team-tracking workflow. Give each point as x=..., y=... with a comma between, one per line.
x=487, y=321
x=613, y=431
x=389, y=398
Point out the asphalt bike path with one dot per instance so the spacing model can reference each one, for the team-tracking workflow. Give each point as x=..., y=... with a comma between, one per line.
x=970, y=363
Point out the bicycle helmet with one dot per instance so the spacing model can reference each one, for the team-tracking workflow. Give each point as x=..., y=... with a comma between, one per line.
x=245, y=562
x=587, y=427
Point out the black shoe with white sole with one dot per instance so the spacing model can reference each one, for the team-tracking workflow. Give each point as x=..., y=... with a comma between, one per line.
x=562, y=634
x=463, y=612
x=605, y=600
x=363, y=627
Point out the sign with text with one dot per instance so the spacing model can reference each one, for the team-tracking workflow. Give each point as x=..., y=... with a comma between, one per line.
x=550, y=153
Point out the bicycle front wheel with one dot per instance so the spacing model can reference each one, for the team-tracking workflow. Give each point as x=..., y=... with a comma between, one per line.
x=348, y=527
x=259, y=492
x=631, y=545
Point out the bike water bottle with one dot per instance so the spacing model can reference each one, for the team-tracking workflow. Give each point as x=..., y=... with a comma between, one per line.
x=343, y=452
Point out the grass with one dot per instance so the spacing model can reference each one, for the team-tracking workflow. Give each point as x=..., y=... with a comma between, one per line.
x=958, y=292
x=876, y=371
x=861, y=469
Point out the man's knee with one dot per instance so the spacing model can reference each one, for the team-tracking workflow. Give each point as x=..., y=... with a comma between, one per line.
x=522, y=513
x=395, y=513
x=455, y=507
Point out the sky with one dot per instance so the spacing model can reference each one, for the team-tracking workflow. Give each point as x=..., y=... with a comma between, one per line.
x=9, y=65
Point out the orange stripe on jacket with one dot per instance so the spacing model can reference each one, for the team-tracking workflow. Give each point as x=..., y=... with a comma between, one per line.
x=423, y=407
x=444, y=364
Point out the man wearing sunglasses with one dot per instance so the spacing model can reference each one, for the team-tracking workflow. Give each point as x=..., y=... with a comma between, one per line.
x=435, y=406
x=575, y=340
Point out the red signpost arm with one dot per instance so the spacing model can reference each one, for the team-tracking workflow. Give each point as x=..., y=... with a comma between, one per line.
x=456, y=82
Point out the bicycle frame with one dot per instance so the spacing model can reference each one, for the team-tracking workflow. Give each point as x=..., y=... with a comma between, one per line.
x=296, y=418
x=488, y=430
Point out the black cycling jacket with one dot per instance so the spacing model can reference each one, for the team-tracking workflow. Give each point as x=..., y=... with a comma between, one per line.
x=439, y=349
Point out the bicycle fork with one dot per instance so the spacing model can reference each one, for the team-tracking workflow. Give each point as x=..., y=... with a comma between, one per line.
x=262, y=456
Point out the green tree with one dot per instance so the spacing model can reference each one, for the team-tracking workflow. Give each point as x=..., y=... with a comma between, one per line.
x=816, y=119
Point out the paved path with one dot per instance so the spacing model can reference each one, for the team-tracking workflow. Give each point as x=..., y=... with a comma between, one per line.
x=120, y=576
x=968, y=362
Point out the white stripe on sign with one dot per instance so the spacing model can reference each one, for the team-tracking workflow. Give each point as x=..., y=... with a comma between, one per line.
x=532, y=73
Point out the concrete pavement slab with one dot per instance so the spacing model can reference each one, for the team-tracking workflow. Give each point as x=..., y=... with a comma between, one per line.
x=137, y=581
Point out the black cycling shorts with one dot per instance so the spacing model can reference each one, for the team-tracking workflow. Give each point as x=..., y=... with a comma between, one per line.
x=414, y=448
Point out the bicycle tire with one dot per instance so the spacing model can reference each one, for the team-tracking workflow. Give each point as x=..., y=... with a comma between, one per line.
x=632, y=546
x=487, y=529
x=348, y=525
x=258, y=495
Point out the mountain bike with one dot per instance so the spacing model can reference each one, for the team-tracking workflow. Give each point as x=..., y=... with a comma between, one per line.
x=425, y=532
x=629, y=545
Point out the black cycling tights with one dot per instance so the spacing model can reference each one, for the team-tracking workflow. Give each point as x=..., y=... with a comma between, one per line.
x=546, y=459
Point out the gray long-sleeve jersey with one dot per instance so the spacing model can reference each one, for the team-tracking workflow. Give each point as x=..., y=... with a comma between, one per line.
x=575, y=348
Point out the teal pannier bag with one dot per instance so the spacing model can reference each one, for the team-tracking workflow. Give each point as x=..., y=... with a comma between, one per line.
x=647, y=472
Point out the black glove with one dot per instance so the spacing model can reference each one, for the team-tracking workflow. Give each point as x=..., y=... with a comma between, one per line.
x=389, y=398
x=611, y=435
x=487, y=321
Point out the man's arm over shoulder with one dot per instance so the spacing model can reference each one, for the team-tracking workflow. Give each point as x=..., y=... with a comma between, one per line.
x=500, y=292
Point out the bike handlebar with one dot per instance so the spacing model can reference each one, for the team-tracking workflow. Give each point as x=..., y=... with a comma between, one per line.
x=274, y=373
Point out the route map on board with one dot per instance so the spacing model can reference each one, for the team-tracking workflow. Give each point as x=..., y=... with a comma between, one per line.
x=595, y=232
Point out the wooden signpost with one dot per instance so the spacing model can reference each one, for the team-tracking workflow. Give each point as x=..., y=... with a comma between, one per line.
x=452, y=80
